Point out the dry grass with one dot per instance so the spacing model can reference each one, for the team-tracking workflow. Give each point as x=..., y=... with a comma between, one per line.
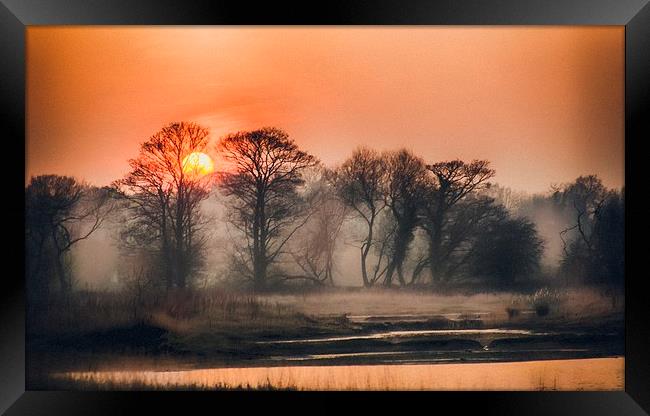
x=215, y=310
x=585, y=374
x=181, y=311
x=573, y=304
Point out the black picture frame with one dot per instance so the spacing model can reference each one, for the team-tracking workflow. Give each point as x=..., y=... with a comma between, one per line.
x=15, y=15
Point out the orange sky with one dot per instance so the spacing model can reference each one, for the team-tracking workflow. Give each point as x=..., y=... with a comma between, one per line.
x=543, y=104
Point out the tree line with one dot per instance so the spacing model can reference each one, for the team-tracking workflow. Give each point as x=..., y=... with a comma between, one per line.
x=414, y=222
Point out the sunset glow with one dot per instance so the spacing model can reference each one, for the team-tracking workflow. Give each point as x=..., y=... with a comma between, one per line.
x=543, y=104
x=198, y=163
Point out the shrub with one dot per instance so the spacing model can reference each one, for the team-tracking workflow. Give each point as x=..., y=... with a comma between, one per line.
x=544, y=300
x=515, y=306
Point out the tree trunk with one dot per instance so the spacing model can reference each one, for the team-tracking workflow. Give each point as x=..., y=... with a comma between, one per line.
x=388, y=280
x=61, y=272
x=178, y=234
x=399, y=255
x=435, y=263
x=166, y=252
x=400, y=275
x=365, y=248
x=435, y=246
x=364, y=271
x=417, y=271
x=259, y=243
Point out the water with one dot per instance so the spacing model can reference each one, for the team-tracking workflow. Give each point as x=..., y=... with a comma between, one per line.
x=410, y=317
x=410, y=333
x=392, y=354
x=406, y=357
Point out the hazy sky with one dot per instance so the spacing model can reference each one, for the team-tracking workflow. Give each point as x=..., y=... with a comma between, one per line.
x=543, y=104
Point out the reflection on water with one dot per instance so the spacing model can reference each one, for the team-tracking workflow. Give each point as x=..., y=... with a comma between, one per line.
x=414, y=333
x=582, y=374
x=392, y=354
x=411, y=317
x=345, y=355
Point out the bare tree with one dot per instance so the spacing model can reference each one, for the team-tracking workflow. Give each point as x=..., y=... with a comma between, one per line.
x=593, y=242
x=405, y=187
x=510, y=199
x=584, y=197
x=453, y=181
x=267, y=172
x=360, y=183
x=60, y=212
x=164, y=192
x=313, y=251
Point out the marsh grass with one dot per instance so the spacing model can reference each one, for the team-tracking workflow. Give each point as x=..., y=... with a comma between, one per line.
x=494, y=308
x=544, y=300
x=91, y=383
x=181, y=312
x=583, y=374
x=217, y=311
x=210, y=323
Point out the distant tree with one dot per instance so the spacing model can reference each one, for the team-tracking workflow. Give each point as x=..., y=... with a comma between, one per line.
x=60, y=212
x=584, y=198
x=510, y=199
x=463, y=226
x=383, y=246
x=594, y=242
x=551, y=218
x=264, y=184
x=609, y=241
x=418, y=259
x=314, y=248
x=360, y=183
x=164, y=192
x=406, y=181
x=506, y=249
x=452, y=182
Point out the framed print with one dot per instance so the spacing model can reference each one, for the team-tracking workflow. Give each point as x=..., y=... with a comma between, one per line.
x=235, y=200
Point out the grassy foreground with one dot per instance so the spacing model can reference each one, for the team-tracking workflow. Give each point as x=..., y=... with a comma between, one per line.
x=585, y=374
x=105, y=333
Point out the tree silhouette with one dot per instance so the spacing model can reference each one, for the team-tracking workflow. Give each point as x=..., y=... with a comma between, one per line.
x=594, y=242
x=506, y=249
x=60, y=212
x=315, y=246
x=609, y=240
x=268, y=170
x=584, y=198
x=360, y=183
x=453, y=181
x=406, y=179
x=164, y=193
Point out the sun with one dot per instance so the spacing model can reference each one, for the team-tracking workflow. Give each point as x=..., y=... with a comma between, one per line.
x=198, y=163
